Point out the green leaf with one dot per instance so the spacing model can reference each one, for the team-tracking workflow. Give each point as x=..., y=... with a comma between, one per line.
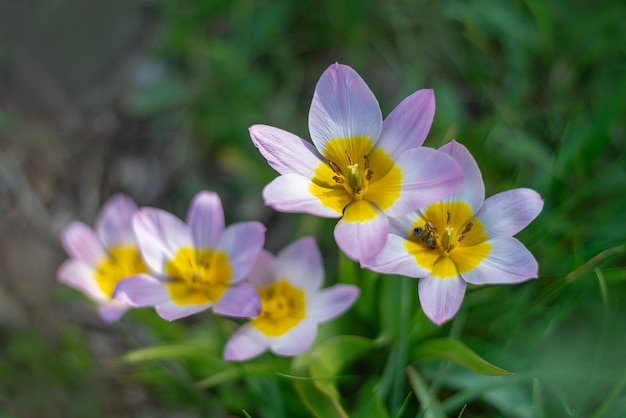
x=428, y=401
x=330, y=357
x=164, y=352
x=322, y=366
x=457, y=352
x=319, y=404
x=235, y=372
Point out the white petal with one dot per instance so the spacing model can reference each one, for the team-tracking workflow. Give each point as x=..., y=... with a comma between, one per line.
x=331, y=302
x=160, y=235
x=245, y=344
x=403, y=225
x=362, y=240
x=240, y=300
x=508, y=262
x=113, y=311
x=473, y=189
x=171, y=311
x=285, y=152
x=343, y=107
x=141, y=290
x=243, y=242
x=114, y=225
x=81, y=276
x=301, y=263
x=80, y=242
x=505, y=214
x=441, y=298
x=408, y=124
x=206, y=219
x=291, y=193
x=395, y=259
x=428, y=176
x=296, y=341
x=263, y=272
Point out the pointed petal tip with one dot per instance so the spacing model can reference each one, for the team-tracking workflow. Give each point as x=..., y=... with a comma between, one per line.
x=245, y=344
x=241, y=301
x=440, y=320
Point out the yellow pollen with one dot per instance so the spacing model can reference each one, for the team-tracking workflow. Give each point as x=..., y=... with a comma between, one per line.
x=355, y=183
x=283, y=307
x=122, y=261
x=200, y=276
x=354, y=170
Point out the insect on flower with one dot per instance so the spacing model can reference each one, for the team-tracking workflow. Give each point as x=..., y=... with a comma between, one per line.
x=427, y=234
x=461, y=239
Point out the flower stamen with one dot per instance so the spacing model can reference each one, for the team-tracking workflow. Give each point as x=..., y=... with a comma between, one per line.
x=356, y=182
x=428, y=236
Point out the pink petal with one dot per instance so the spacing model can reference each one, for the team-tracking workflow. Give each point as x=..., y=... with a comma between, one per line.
x=263, y=272
x=206, y=219
x=291, y=193
x=80, y=276
x=403, y=225
x=115, y=223
x=113, y=311
x=301, y=263
x=243, y=242
x=331, y=302
x=141, y=291
x=343, y=107
x=245, y=344
x=285, y=152
x=240, y=300
x=80, y=242
x=408, y=124
x=394, y=259
x=160, y=235
x=362, y=240
x=508, y=262
x=473, y=189
x=505, y=214
x=296, y=341
x=170, y=311
x=441, y=298
x=428, y=176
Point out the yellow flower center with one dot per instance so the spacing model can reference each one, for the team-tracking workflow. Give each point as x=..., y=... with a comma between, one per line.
x=283, y=307
x=122, y=261
x=448, y=240
x=356, y=171
x=201, y=276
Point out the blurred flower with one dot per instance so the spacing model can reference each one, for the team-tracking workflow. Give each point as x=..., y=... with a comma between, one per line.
x=293, y=304
x=101, y=258
x=361, y=168
x=198, y=264
x=462, y=239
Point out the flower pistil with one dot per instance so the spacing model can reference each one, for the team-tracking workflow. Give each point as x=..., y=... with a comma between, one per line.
x=448, y=239
x=283, y=307
x=200, y=275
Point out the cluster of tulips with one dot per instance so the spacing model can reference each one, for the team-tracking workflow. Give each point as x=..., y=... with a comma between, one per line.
x=403, y=209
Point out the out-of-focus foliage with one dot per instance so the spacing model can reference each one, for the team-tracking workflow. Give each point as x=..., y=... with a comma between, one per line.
x=535, y=89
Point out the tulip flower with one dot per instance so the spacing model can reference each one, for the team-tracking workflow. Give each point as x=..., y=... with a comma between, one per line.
x=292, y=303
x=461, y=239
x=359, y=168
x=197, y=265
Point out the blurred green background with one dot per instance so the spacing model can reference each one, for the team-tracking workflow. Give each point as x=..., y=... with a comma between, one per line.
x=153, y=98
